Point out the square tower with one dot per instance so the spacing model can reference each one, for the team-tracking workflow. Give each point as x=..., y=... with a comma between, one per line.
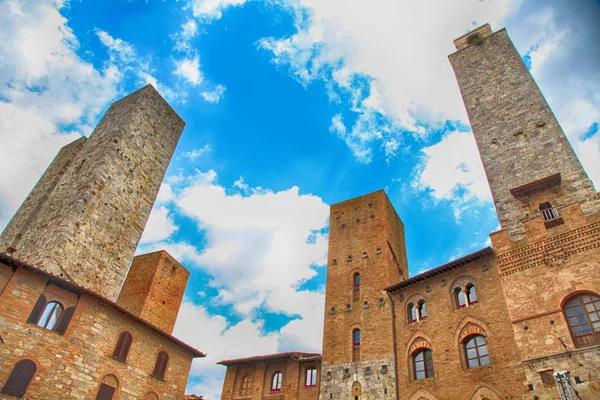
x=367, y=253
x=529, y=163
x=84, y=220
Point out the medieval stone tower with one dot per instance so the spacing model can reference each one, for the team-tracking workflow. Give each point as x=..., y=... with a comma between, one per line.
x=548, y=247
x=367, y=253
x=527, y=159
x=84, y=218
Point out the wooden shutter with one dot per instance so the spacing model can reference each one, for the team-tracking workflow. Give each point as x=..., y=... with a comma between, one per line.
x=105, y=392
x=123, y=345
x=161, y=365
x=38, y=310
x=18, y=381
x=64, y=320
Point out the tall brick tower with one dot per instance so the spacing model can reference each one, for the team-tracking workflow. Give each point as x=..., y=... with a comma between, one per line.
x=367, y=253
x=85, y=217
x=548, y=248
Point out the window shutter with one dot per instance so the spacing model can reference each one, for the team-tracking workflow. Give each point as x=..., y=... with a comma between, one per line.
x=122, y=347
x=65, y=318
x=105, y=392
x=38, y=310
x=161, y=365
x=18, y=381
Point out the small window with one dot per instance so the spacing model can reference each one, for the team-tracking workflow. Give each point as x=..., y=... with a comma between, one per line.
x=356, y=337
x=583, y=317
x=422, y=309
x=476, y=351
x=276, y=382
x=356, y=282
x=423, y=364
x=161, y=365
x=19, y=378
x=311, y=377
x=548, y=212
x=471, y=295
x=245, y=389
x=122, y=347
x=474, y=38
x=461, y=299
x=412, y=314
x=51, y=315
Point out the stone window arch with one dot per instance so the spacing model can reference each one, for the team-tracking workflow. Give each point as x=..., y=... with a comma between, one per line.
x=582, y=313
x=464, y=292
x=416, y=309
x=108, y=387
x=19, y=378
x=420, y=358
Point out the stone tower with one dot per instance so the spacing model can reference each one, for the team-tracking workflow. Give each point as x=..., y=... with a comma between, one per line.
x=548, y=247
x=367, y=253
x=85, y=217
x=527, y=158
x=154, y=289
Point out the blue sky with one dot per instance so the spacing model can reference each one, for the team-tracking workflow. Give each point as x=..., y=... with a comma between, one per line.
x=291, y=105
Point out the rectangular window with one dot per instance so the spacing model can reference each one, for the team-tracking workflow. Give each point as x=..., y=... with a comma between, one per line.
x=311, y=377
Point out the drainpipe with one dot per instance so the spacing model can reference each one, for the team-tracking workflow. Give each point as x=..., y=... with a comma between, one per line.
x=394, y=345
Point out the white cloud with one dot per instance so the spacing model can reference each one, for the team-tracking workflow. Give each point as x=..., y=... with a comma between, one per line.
x=44, y=85
x=118, y=49
x=189, y=69
x=212, y=9
x=159, y=227
x=183, y=38
x=405, y=58
x=215, y=95
x=452, y=170
x=193, y=154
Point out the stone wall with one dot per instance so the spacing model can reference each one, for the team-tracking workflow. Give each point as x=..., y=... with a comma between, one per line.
x=154, y=289
x=91, y=223
x=73, y=364
x=445, y=329
x=519, y=139
x=260, y=374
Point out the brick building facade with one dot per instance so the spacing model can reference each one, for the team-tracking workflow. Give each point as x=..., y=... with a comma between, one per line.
x=71, y=325
x=494, y=324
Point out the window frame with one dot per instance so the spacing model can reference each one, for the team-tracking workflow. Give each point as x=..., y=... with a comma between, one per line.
x=355, y=343
x=311, y=376
x=579, y=340
x=54, y=304
x=276, y=382
x=476, y=347
x=427, y=362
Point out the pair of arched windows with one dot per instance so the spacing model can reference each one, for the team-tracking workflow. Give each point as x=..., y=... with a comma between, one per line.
x=418, y=312
x=466, y=297
x=122, y=350
x=51, y=315
x=276, y=382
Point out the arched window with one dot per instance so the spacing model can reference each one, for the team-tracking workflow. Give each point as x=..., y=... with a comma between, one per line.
x=583, y=316
x=476, y=351
x=19, y=378
x=357, y=282
x=122, y=347
x=107, y=388
x=422, y=309
x=51, y=315
x=161, y=365
x=461, y=299
x=311, y=377
x=245, y=388
x=423, y=364
x=356, y=339
x=471, y=294
x=474, y=38
x=276, y=382
x=412, y=314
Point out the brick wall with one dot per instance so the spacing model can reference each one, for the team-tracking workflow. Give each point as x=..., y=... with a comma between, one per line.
x=72, y=365
x=90, y=225
x=154, y=289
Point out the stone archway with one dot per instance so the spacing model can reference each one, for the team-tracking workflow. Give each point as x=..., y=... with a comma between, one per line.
x=485, y=393
x=423, y=394
x=356, y=390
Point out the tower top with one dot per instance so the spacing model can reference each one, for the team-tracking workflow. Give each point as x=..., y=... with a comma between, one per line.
x=473, y=37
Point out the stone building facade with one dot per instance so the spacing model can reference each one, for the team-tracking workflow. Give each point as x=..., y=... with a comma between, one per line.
x=291, y=375
x=71, y=325
x=495, y=324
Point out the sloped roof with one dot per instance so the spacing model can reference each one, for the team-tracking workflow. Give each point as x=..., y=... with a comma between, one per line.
x=289, y=354
x=6, y=259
